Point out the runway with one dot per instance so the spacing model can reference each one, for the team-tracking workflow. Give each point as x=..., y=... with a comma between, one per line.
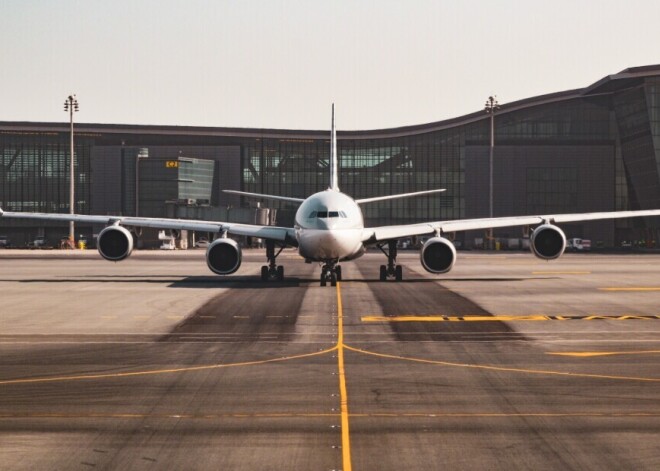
x=507, y=362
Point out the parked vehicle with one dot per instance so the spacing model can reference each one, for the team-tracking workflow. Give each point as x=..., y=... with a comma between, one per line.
x=38, y=243
x=202, y=243
x=4, y=242
x=578, y=245
x=168, y=245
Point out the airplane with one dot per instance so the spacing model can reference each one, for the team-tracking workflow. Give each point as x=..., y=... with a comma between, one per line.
x=329, y=229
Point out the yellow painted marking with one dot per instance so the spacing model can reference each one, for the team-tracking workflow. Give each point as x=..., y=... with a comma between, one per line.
x=506, y=318
x=641, y=288
x=175, y=317
x=343, y=392
x=164, y=371
x=600, y=354
x=241, y=317
x=289, y=415
x=505, y=369
x=538, y=317
x=561, y=273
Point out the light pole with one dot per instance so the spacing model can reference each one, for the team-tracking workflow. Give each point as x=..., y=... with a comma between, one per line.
x=491, y=107
x=142, y=154
x=71, y=105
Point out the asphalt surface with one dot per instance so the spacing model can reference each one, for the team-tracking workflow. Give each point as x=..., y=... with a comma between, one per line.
x=507, y=362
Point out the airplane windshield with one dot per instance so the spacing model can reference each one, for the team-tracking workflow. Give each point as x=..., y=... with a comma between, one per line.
x=327, y=214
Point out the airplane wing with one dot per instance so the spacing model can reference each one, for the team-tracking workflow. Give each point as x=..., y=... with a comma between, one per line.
x=373, y=235
x=281, y=234
x=265, y=197
x=401, y=195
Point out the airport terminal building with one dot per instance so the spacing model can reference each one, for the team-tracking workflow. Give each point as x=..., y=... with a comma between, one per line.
x=585, y=150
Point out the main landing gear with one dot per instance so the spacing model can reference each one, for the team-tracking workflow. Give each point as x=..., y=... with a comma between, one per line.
x=272, y=271
x=330, y=272
x=391, y=270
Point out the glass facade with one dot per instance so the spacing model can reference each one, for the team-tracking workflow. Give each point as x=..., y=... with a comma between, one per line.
x=34, y=174
x=184, y=181
x=593, y=149
x=376, y=167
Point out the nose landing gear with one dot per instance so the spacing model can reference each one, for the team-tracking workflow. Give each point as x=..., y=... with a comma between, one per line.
x=330, y=272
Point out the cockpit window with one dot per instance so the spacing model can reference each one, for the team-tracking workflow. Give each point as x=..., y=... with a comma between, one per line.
x=327, y=214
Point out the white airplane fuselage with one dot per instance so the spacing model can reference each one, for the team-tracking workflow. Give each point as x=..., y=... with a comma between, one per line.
x=329, y=227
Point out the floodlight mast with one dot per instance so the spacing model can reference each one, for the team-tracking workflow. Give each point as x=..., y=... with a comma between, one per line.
x=491, y=107
x=71, y=105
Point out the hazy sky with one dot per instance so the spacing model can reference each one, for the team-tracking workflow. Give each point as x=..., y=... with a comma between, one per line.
x=280, y=64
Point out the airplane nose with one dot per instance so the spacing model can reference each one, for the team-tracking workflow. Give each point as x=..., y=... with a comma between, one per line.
x=327, y=224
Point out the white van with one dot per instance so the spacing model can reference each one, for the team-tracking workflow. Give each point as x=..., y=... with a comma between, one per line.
x=578, y=245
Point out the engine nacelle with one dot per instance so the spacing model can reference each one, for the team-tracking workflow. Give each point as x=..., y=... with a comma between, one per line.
x=115, y=243
x=548, y=242
x=223, y=256
x=438, y=255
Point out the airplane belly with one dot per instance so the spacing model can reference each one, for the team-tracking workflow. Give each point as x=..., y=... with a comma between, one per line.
x=319, y=245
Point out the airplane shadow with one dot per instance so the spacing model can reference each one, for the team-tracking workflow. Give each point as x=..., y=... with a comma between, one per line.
x=235, y=282
x=239, y=282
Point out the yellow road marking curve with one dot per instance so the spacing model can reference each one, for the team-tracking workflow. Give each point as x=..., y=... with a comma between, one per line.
x=601, y=354
x=507, y=318
x=641, y=288
x=504, y=369
x=164, y=371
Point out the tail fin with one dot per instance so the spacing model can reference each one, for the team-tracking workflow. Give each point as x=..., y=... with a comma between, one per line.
x=334, y=173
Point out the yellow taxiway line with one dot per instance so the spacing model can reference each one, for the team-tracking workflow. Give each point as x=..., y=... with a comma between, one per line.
x=506, y=318
x=319, y=415
x=345, y=432
x=602, y=354
x=48, y=379
x=633, y=288
x=504, y=368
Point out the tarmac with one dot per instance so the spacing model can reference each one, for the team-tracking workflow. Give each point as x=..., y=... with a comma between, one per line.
x=507, y=362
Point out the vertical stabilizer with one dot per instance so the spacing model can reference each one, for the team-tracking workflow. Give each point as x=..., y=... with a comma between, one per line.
x=334, y=173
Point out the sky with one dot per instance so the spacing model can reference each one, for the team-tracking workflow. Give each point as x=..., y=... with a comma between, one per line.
x=282, y=63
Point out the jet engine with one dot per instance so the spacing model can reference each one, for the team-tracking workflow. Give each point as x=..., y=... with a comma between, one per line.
x=548, y=242
x=438, y=255
x=115, y=243
x=223, y=256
